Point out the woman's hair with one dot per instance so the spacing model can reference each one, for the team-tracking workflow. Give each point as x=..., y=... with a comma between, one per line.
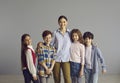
x=88, y=35
x=23, y=45
x=79, y=35
x=62, y=16
x=46, y=32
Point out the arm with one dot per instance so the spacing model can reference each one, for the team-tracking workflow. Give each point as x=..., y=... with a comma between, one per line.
x=82, y=61
x=30, y=63
x=52, y=65
x=44, y=65
x=52, y=61
x=53, y=39
x=101, y=61
x=41, y=61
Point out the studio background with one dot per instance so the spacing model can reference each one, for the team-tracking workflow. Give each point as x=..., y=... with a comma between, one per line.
x=101, y=17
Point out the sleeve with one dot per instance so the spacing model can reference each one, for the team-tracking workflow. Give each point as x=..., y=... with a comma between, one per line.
x=53, y=39
x=102, y=61
x=41, y=58
x=83, y=55
x=30, y=63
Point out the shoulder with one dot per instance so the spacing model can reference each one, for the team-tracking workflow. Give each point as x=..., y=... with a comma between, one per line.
x=80, y=44
x=52, y=47
x=96, y=48
x=56, y=31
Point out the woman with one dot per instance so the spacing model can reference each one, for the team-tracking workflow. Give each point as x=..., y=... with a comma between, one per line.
x=62, y=42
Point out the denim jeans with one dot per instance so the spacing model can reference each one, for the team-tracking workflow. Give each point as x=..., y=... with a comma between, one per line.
x=75, y=72
x=76, y=79
x=44, y=79
x=28, y=77
x=90, y=77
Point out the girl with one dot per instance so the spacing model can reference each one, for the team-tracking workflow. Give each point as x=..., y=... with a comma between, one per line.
x=46, y=60
x=28, y=59
x=77, y=53
x=92, y=57
x=62, y=42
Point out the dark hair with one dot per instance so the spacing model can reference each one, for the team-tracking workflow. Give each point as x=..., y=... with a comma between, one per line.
x=23, y=45
x=62, y=16
x=46, y=32
x=23, y=48
x=88, y=35
x=79, y=34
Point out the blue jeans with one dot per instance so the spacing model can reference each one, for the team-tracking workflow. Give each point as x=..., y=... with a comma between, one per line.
x=44, y=79
x=90, y=77
x=75, y=72
x=76, y=79
x=28, y=77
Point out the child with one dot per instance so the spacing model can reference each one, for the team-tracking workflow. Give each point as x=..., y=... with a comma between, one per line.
x=39, y=46
x=28, y=59
x=45, y=57
x=77, y=51
x=92, y=55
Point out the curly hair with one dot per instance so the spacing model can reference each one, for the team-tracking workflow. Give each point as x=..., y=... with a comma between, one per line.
x=79, y=34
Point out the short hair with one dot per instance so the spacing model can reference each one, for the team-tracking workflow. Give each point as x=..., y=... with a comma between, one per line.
x=46, y=32
x=88, y=35
x=62, y=16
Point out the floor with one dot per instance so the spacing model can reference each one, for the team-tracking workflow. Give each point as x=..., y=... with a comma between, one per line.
x=19, y=79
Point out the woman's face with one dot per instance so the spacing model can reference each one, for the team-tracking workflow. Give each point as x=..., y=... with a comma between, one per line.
x=63, y=23
x=27, y=40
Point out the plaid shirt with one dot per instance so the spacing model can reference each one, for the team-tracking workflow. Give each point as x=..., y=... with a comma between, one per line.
x=46, y=56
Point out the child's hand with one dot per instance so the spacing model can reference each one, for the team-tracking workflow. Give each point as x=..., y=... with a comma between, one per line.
x=35, y=78
x=48, y=71
x=104, y=71
x=81, y=73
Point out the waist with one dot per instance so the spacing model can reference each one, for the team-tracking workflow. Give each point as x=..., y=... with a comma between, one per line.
x=24, y=68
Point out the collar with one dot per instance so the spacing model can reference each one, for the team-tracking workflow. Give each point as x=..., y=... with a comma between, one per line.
x=67, y=30
x=31, y=47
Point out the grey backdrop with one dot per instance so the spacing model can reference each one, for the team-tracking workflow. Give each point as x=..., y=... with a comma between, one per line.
x=33, y=16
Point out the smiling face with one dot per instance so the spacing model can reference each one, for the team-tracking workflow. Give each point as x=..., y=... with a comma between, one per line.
x=75, y=37
x=47, y=39
x=88, y=41
x=27, y=40
x=63, y=23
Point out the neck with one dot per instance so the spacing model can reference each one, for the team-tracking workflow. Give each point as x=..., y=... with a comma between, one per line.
x=88, y=45
x=76, y=41
x=47, y=44
x=63, y=30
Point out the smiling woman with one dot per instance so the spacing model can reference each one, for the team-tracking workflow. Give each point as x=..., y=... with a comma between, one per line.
x=61, y=41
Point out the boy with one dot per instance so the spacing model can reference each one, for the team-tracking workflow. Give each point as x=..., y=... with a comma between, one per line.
x=46, y=57
x=92, y=55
